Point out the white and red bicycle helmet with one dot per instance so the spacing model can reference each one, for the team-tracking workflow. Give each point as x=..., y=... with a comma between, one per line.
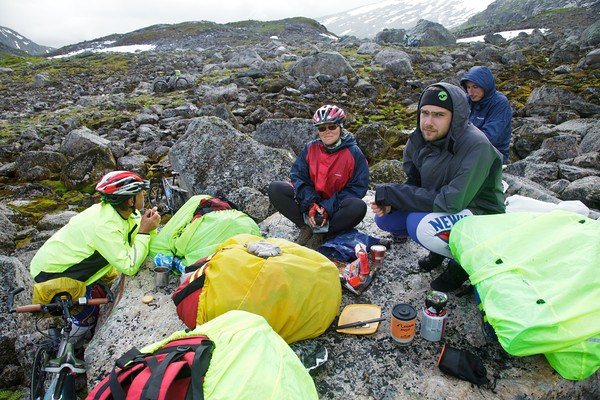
x=329, y=114
x=117, y=186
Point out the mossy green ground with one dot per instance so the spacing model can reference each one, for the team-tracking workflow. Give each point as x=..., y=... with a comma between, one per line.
x=8, y=395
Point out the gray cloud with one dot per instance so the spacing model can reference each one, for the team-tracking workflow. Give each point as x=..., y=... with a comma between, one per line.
x=58, y=23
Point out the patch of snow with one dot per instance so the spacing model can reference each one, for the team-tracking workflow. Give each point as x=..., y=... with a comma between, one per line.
x=128, y=49
x=505, y=34
x=329, y=36
x=117, y=49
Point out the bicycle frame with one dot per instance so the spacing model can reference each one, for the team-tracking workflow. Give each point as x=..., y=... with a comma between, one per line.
x=168, y=188
x=163, y=191
x=56, y=356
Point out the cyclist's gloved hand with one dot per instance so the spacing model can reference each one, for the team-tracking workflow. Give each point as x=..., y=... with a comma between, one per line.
x=314, y=209
x=263, y=249
x=317, y=215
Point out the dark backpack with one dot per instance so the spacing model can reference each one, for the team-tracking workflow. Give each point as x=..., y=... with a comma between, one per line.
x=174, y=371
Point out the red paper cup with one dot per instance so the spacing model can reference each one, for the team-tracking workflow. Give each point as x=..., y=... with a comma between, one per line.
x=377, y=253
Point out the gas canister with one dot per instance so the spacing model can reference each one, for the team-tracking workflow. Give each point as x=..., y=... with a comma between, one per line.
x=433, y=317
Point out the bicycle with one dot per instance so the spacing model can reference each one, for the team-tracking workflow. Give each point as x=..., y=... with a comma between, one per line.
x=175, y=81
x=166, y=196
x=55, y=364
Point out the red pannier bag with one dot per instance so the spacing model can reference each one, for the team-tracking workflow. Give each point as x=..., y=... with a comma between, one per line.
x=174, y=371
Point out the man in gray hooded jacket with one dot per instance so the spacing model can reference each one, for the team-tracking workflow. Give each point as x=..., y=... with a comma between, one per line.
x=453, y=171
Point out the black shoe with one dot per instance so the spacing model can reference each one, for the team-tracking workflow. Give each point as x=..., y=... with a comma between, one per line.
x=431, y=261
x=305, y=235
x=451, y=279
x=316, y=240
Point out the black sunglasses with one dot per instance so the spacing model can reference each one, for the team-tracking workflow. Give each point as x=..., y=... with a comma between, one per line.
x=323, y=128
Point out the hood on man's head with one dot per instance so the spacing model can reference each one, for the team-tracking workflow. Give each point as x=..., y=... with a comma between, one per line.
x=482, y=77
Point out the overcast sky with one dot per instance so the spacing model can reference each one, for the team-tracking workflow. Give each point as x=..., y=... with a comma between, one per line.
x=57, y=23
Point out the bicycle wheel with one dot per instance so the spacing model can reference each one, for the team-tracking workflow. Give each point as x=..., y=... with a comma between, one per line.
x=181, y=84
x=161, y=86
x=179, y=199
x=65, y=387
x=40, y=379
x=157, y=198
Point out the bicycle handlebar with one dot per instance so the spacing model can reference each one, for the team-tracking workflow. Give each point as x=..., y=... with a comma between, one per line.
x=82, y=301
x=166, y=170
x=40, y=307
x=158, y=167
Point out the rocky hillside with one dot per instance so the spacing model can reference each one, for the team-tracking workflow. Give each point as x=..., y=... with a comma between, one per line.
x=203, y=34
x=518, y=14
x=237, y=125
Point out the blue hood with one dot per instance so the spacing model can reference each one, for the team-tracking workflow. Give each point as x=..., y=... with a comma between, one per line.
x=483, y=78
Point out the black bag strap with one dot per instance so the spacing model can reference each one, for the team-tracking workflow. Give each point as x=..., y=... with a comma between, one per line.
x=189, y=289
x=113, y=381
x=197, y=265
x=200, y=365
x=157, y=372
x=129, y=356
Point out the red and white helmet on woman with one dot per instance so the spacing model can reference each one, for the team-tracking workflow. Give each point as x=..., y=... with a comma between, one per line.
x=117, y=186
x=329, y=114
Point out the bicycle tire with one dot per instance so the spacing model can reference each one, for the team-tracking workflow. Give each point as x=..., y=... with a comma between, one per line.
x=181, y=84
x=161, y=86
x=157, y=198
x=65, y=387
x=40, y=379
x=179, y=200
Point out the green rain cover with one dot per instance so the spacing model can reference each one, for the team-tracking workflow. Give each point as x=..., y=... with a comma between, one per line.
x=538, y=276
x=192, y=241
x=250, y=361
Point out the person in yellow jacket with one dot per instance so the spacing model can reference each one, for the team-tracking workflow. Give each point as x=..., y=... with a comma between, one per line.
x=105, y=239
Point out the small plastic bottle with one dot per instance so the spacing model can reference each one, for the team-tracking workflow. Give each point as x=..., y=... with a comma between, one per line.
x=363, y=259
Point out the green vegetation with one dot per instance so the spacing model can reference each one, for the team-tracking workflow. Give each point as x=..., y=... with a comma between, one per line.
x=33, y=210
x=157, y=32
x=8, y=395
x=274, y=27
x=57, y=186
x=8, y=60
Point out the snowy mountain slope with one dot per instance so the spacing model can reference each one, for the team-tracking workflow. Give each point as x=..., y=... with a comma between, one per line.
x=14, y=40
x=367, y=21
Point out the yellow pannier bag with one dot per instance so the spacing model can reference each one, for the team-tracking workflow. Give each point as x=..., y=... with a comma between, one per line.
x=297, y=292
x=44, y=292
